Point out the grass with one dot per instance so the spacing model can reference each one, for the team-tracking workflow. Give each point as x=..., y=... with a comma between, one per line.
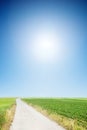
x=6, y=111
x=70, y=113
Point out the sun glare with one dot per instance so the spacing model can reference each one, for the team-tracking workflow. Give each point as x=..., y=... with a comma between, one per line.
x=44, y=46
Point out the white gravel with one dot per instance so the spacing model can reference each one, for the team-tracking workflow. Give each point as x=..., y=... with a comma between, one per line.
x=27, y=118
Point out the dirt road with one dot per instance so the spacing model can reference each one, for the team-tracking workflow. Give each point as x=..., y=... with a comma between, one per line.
x=27, y=118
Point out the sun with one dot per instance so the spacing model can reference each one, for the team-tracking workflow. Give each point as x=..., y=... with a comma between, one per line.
x=44, y=46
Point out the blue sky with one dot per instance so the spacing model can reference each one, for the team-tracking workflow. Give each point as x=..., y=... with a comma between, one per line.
x=43, y=48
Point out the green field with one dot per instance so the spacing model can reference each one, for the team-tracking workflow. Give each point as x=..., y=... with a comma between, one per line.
x=72, y=109
x=5, y=104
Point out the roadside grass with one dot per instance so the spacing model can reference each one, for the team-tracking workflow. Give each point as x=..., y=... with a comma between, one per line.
x=7, y=108
x=69, y=113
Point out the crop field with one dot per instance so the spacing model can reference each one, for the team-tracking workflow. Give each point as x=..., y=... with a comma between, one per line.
x=70, y=113
x=5, y=104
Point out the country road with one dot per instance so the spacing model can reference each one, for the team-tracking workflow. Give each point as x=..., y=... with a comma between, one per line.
x=27, y=118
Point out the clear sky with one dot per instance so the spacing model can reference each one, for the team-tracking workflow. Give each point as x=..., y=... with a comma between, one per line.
x=43, y=48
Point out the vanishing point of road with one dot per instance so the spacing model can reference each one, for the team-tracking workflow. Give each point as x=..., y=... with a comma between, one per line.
x=27, y=118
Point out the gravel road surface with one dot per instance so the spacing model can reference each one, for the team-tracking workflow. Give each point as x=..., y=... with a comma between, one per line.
x=27, y=118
